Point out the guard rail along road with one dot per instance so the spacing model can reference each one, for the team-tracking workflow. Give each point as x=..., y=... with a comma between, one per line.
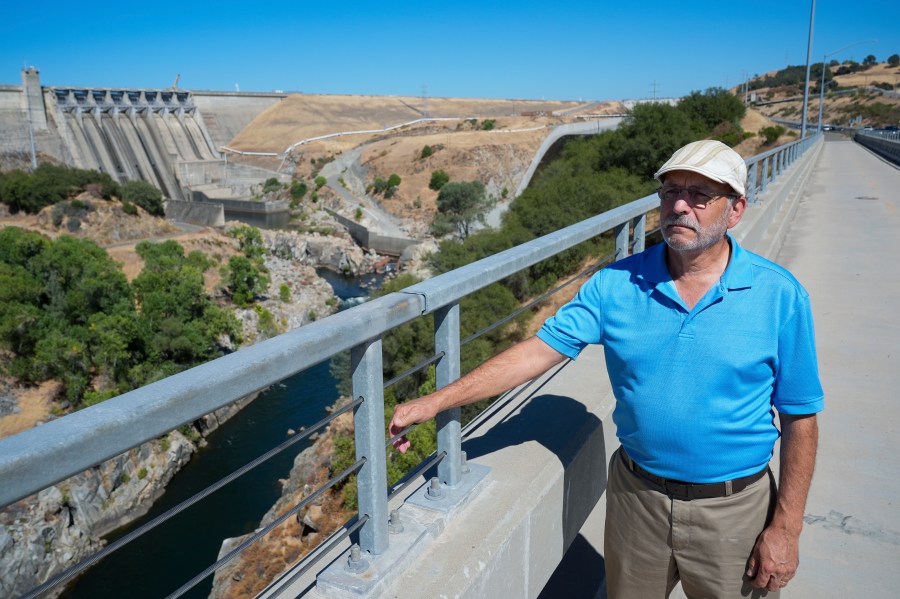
x=42, y=456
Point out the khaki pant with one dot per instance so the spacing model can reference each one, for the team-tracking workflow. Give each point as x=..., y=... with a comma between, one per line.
x=653, y=541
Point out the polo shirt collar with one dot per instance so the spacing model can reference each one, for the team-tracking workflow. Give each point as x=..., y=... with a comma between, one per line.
x=738, y=274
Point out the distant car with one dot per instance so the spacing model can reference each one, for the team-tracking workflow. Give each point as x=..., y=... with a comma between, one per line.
x=827, y=128
x=868, y=128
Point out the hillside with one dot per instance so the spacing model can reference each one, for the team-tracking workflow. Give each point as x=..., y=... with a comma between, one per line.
x=462, y=144
x=859, y=100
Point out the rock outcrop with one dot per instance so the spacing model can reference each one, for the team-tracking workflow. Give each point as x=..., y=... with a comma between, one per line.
x=46, y=533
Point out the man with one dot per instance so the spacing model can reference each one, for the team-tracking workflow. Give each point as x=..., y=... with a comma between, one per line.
x=705, y=343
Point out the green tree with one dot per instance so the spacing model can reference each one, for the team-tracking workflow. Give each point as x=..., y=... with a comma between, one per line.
x=870, y=60
x=244, y=280
x=893, y=60
x=251, y=241
x=713, y=107
x=460, y=206
x=426, y=152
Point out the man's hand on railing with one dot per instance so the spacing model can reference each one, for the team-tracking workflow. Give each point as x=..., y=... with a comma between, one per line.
x=412, y=412
x=521, y=362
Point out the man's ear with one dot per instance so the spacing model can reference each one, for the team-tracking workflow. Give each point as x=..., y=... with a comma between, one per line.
x=738, y=206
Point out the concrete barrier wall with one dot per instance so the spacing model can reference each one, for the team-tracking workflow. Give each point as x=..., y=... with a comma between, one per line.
x=197, y=213
x=381, y=244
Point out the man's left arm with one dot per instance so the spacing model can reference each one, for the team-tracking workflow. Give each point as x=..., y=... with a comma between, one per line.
x=775, y=557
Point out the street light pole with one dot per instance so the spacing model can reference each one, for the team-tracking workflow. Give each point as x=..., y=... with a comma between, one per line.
x=822, y=86
x=812, y=20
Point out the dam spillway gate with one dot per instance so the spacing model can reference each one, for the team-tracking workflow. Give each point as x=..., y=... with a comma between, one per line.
x=130, y=134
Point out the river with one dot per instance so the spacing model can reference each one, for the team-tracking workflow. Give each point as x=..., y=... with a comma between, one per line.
x=159, y=562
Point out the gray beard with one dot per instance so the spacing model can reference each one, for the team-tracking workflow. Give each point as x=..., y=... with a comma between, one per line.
x=706, y=237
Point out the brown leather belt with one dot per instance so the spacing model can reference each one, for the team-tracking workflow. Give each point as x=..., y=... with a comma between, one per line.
x=684, y=491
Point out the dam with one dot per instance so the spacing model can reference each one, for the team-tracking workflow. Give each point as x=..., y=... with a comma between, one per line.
x=167, y=137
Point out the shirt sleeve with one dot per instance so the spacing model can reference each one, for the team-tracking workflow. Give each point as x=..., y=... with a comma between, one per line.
x=576, y=324
x=797, y=386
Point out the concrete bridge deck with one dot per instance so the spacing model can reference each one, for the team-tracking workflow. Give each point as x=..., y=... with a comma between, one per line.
x=842, y=245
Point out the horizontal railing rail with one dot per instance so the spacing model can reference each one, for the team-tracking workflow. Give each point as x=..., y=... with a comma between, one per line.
x=40, y=457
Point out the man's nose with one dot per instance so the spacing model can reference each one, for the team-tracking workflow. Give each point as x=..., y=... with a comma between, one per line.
x=681, y=205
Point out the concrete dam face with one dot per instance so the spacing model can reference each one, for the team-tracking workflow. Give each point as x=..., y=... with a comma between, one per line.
x=167, y=137
x=133, y=134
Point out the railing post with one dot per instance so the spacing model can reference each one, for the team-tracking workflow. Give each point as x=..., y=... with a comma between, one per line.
x=764, y=175
x=621, y=240
x=751, y=182
x=368, y=422
x=640, y=233
x=446, y=339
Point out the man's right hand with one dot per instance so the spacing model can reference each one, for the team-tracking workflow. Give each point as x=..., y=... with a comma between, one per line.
x=519, y=363
x=409, y=413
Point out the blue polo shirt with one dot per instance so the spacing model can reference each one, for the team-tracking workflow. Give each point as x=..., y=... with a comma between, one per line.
x=697, y=389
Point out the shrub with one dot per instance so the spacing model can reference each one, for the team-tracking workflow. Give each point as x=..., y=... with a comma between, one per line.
x=298, y=189
x=438, y=179
x=142, y=473
x=144, y=195
x=129, y=209
x=271, y=185
x=771, y=134
x=320, y=182
x=488, y=124
x=358, y=214
x=284, y=292
x=426, y=152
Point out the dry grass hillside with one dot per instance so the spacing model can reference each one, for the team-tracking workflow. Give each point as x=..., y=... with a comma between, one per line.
x=461, y=145
x=872, y=107
x=300, y=117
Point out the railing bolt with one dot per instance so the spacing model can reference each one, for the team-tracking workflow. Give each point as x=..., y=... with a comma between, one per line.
x=434, y=490
x=355, y=563
x=394, y=524
x=464, y=463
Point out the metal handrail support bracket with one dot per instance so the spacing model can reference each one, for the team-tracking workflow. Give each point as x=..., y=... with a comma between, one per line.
x=447, y=370
x=621, y=232
x=368, y=422
x=640, y=233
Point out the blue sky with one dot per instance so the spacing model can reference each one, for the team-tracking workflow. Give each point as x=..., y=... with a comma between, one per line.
x=562, y=50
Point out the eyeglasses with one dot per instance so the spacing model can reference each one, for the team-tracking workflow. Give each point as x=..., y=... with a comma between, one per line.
x=698, y=198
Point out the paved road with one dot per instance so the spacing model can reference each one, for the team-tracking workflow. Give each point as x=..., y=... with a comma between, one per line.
x=844, y=247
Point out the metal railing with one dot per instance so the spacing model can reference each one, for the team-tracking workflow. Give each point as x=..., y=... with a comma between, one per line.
x=40, y=457
x=884, y=143
x=764, y=168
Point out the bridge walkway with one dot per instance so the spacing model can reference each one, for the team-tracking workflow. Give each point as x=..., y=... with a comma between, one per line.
x=842, y=246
